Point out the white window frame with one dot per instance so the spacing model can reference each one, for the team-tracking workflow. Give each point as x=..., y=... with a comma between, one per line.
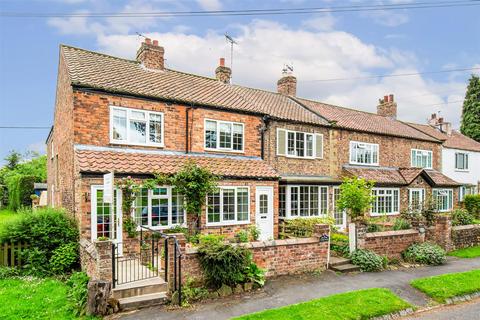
x=465, y=160
x=424, y=153
x=229, y=222
x=376, y=214
x=314, y=144
x=168, y=196
x=218, y=148
x=288, y=202
x=147, y=120
x=449, y=198
x=365, y=144
x=422, y=197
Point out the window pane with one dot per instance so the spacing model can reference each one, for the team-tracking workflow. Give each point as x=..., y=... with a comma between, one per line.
x=213, y=207
x=323, y=200
x=159, y=212
x=178, y=213
x=137, y=115
x=104, y=217
x=282, y=202
x=137, y=132
x=141, y=207
x=294, y=201
x=160, y=191
x=119, y=124
x=211, y=134
x=228, y=204
x=314, y=201
x=300, y=144
x=242, y=204
x=237, y=137
x=304, y=201
x=225, y=135
x=155, y=128
x=291, y=143
x=309, y=145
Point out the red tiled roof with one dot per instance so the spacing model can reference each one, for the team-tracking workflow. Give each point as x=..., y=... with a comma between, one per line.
x=364, y=121
x=95, y=161
x=409, y=174
x=440, y=179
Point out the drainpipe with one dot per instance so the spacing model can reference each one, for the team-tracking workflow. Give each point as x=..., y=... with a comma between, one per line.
x=265, y=120
x=186, y=128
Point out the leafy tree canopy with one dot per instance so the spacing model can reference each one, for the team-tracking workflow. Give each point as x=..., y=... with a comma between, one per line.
x=355, y=196
x=471, y=110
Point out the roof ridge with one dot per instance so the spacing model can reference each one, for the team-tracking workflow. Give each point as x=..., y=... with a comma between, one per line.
x=97, y=53
x=412, y=125
x=308, y=109
x=342, y=107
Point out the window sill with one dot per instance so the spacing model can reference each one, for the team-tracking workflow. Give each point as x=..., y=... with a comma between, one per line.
x=226, y=224
x=365, y=164
x=462, y=170
x=158, y=228
x=120, y=143
x=224, y=150
x=298, y=157
x=383, y=214
x=323, y=216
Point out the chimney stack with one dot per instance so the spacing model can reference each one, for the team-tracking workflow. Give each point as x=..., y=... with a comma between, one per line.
x=440, y=124
x=223, y=73
x=151, y=55
x=387, y=107
x=287, y=84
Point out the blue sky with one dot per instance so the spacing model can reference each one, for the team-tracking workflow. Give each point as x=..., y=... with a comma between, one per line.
x=319, y=46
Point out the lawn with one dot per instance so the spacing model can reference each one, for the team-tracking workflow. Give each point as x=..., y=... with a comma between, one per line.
x=361, y=304
x=471, y=252
x=33, y=299
x=449, y=285
x=7, y=215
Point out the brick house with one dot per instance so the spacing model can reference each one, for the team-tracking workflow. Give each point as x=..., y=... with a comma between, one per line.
x=278, y=156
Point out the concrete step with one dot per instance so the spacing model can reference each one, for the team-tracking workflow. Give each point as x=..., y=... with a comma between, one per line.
x=138, y=288
x=338, y=261
x=142, y=301
x=344, y=268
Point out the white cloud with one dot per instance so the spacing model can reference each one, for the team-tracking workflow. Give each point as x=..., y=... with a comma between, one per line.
x=210, y=4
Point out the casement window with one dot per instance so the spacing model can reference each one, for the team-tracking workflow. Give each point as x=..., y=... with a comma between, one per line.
x=338, y=215
x=421, y=158
x=305, y=201
x=282, y=201
x=443, y=199
x=363, y=153
x=224, y=136
x=136, y=127
x=105, y=215
x=230, y=205
x=416, y=197
x=297, y=144
x=465, y=190
x=386, y=201
x=161, y=207
x=461, y=161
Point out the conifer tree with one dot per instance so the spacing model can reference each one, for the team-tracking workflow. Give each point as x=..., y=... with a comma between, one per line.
x=471, y=110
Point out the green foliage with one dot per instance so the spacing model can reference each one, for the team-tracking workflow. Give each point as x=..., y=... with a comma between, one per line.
x=340, y=244
x=401, y=224
x=472, y=204
x=129, y=190
x=65, y=258
x=242, y=236
x=43, y=231
x=255, y=274
x=461, y=217
x=13, y=159
x=367, y=260
x=355, y=196
x=471, y=109
x=77, y=293
x=9, y=272
x=20, y=188
x=425, y=253
x=224, y=263
x=373, y=227
x=193, y=292
x=254, y=232
x=207, y=239
x=130, y=227
x=304, y=228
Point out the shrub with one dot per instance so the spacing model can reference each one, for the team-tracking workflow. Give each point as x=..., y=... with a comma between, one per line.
x=401, y=224
x=192, y=292
x=461, y=217
x=472, y=204
x=65, y=258
x=367, y=260
x=78, y=292
x=425, y=253
x=242, y=236
x=9, y=272
x=20, y=187
x=254, y=232
x=224, y=263
x=303, y=228
x=355, y=196
x=339, y=243
x=255, y=274
x=373, y=227
x=36, y=262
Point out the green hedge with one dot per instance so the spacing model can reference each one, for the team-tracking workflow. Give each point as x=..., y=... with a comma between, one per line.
x=20, y=189
x=472, y=204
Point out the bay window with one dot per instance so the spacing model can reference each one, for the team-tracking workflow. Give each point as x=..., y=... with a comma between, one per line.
x=137, y=127
x=386, y=201
x=230, y=205
x=363, y=153
x=224, y=135
x=303, y=201
x=297, y=144
x=161, y=207
x=421, y=158
x=443, y=199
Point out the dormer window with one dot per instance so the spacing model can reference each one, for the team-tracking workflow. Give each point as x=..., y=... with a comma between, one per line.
x=224, y=136
x=363, y=153
x=136, y=127
x=421, y=159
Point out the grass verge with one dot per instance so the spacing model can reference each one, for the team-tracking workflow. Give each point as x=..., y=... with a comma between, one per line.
x=471, y=252
x=449, y=285
x=360, y=304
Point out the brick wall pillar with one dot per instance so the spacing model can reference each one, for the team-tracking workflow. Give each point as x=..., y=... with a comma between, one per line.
x=171, y=259
x=441, y=232
x=361, y=233
x=320, y=230
x=104, y=260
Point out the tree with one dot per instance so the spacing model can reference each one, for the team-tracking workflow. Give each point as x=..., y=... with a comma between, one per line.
x=13, y=159
x=355, y=196
x=471, y=110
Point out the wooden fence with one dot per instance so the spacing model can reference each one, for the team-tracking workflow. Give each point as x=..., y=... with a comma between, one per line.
x=10, y=254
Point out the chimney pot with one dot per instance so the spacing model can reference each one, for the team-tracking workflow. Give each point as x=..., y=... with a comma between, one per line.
x=148, y=40
x=222, y=62
x=387, y=107
x=385, y=98
x=390, y=99
x=155, y=43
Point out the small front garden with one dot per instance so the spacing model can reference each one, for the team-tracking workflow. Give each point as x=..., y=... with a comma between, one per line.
x=471, y=252
x=451, y=285
x=361, y=304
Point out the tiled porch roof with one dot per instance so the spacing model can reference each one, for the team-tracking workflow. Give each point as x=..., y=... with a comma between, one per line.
x=103, y=160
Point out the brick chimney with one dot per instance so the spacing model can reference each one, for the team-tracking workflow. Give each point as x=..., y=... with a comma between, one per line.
x=440, y=124
x=387, y=107
x=151, y=55
x=223, y=73
x=287, y=84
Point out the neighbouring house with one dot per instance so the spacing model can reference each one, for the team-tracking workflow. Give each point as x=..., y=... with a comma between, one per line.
x=279, y=156
x=460, y=154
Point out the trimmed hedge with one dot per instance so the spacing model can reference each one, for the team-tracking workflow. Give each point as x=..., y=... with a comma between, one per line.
x=472, y=204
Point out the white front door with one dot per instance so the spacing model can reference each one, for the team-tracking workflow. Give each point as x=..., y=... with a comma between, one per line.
x=106, y=218
x=264, y=212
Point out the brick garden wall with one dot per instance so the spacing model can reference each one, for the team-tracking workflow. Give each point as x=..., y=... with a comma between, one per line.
x=465, y=236
x=96, y=259
x=391, y=243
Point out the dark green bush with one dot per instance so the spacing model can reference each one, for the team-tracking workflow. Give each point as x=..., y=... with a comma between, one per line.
x=78, y=292
x=9, y=272
x=461, y=217
x=340, y=244
x=20, y=188
x=401, y=224
x=373, y=227
x=367, y=260
x=65, y=258
x=472, y=204
x=425, y=253
x=35, y=262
